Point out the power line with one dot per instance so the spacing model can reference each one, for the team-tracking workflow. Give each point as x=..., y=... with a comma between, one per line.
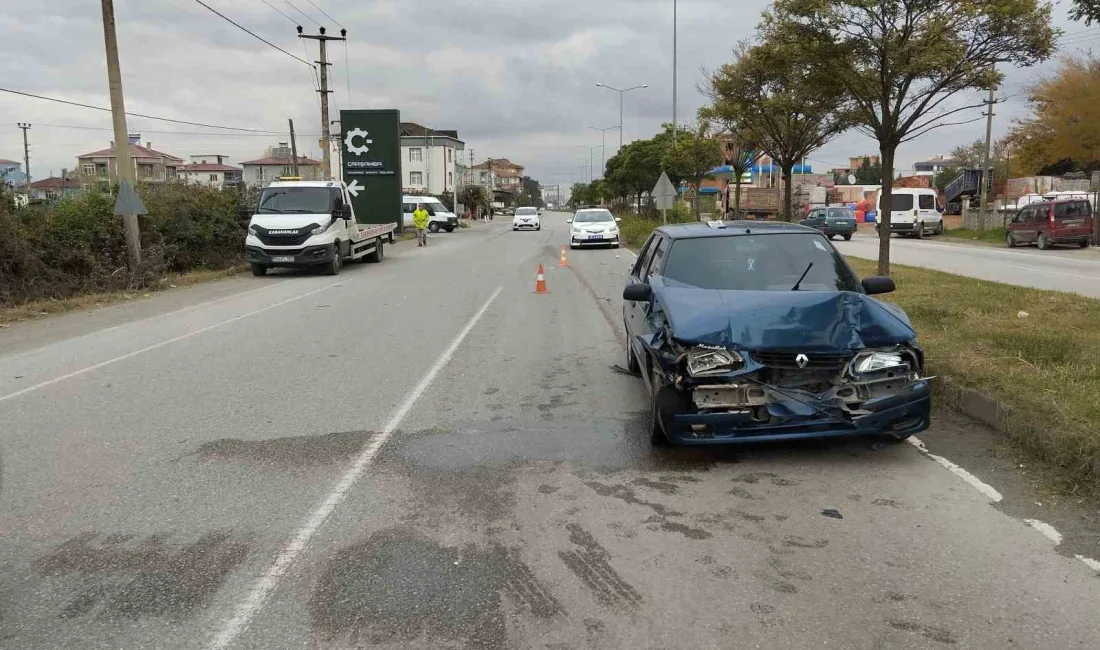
x=188, y=133
x=278, y=11
x=148, y=117
x=308, y=17
x=253, y=34
x=325, y=15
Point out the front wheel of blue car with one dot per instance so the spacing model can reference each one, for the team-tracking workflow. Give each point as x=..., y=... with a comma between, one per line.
x=657, y=436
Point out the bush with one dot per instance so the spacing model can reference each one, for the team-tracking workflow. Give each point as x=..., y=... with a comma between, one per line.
x=78, y=245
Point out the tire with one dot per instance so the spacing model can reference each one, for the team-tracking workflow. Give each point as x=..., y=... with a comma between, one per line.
x=918, y=231
x=1010, y=240
x=1043, y=242
x=1084, y=243
x=657, y=436
x=258, y=270
x=848, y=237
x=830, y=237
x=377, y=254
x=450, y=228
x=939, y=228
x=336, y=263
x=631, y=361
x=433, y=226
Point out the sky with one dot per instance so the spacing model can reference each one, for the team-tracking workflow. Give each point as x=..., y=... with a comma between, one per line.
x=516, y=78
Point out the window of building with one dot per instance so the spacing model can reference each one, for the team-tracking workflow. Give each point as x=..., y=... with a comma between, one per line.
x=416, y=178
x=89, y=170
x=450, y=178
x=450, y=154
x=213, y=178
x=259, y=173
x=416, y=154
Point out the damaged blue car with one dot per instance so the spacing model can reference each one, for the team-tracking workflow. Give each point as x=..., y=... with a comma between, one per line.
x=757, y=331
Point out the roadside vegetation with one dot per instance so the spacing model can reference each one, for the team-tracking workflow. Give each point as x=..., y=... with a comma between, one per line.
x=1035, y=352
x=634, y=229
x=50, y=254
x=990, y=235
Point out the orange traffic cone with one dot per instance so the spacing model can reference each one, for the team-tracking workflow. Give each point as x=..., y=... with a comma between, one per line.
x=540, y=282
x=564, y=262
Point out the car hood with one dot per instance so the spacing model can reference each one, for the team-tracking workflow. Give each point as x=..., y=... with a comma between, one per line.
x=814, y=321
x=269, y=221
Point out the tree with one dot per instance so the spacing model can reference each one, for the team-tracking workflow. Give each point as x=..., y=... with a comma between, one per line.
x=1063, y=131
x=693, y=156
x=766, y=90
x=634, y=169
x=1086, y=10
x=738, y=151
x=474, y=197
x=900, y=61
x=530, y=193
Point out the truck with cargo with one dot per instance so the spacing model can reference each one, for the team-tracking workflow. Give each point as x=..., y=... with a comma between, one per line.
x=757, y=203
x=310, y=224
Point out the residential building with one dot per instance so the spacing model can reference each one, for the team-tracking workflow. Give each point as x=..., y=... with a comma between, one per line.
x=506, y=175
x=430, y=159
x=11, y=173
x=55, y=188
x=211, y=170
x=150, y=165
x=279, y=161
x=933, y=165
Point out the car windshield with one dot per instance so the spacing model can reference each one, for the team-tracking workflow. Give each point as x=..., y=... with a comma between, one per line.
x=900, y=202
x=297, y=200
x=593, y=216
x=526, y=211
x=436, y=206
x=841, y=213
x=759, y=263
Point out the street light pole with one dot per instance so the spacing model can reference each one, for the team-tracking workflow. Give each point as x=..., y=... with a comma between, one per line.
x=603, y=145
x=590, y=150
x=621, y=93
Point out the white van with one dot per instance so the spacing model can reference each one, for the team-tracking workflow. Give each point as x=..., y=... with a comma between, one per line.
x=913, y=212
x=439, y=217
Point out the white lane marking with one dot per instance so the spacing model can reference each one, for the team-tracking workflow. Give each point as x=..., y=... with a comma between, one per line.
x=149, y=348
x=1048, y=531
x=269, y=580
x=1089, y=562
x=988, y=490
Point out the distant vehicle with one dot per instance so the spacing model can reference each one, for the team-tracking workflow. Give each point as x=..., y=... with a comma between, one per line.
x=310, y=224
x=832, y=221
x=527, y=219
x=1066, y=221
x=594, y=226
x=746, y=331
x=756, y=202
x=439, y=217
x=913, y=212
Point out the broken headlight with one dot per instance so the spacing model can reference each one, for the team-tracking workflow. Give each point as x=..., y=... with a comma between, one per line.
x=704, y=360
x=875, y=361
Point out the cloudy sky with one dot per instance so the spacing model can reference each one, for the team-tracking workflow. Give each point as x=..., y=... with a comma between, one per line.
x=516, y=78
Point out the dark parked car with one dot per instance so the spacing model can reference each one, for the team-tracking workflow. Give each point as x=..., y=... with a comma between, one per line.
x=749, y=331
x=1046, y=223
x=832, y=221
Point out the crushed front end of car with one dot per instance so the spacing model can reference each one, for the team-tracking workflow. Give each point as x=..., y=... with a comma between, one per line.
x=784, y=366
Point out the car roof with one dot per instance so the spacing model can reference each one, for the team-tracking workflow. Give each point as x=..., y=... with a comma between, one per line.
x=734, y=229
x=303, y=184
x=593, y=210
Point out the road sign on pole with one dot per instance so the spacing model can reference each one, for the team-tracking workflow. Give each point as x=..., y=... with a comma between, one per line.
x=664, y=195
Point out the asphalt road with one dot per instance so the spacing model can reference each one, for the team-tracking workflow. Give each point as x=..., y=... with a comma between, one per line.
x=424, y=453
x=1061, y=268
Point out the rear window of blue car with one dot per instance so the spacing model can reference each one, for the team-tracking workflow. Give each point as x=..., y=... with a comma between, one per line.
x=759, y=263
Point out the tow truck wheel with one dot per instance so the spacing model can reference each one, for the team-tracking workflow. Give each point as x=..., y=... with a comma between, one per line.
x=433, y=227
x=377, y=254
x=336, y=263
x=657, y=436
x=259, y=270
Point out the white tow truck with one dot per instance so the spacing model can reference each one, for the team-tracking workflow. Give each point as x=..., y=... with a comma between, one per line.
x=300, y=224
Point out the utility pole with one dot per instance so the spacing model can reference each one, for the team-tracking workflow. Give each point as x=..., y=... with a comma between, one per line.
x=26, y=160
x=326, y=138
x=674, y=127
x=340, y=151
x=987, y=171
x=293, y=149
x=123, y=164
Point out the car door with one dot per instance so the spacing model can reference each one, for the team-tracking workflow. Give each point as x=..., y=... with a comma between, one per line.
x=1035, y=219
x=637, y=274
x=815, y=219
x=1017, y=225
x=930, y=216
x=1070, y=220
x=638, y=325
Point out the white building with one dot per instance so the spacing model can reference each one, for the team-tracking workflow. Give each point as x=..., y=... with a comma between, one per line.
x=934, y=165
x=429, y=159
x=210, y=170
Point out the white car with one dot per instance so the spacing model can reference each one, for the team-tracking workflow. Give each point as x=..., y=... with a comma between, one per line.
x=527, y=219
x=594, y=227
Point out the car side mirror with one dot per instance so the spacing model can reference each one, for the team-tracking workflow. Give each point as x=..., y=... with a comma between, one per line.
x=878, y=284
x=638, y=292
x=345, y=212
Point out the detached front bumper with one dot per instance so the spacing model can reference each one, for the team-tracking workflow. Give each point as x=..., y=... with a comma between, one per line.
x=904, y=413
x=298, y=257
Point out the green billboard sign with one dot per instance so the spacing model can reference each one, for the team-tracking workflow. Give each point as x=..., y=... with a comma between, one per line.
x=371, y=152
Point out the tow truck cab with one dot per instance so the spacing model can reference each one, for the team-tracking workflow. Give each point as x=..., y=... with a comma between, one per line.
x=309, y=224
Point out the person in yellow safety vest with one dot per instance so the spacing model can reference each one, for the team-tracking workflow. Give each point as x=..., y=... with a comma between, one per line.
x=420, y=221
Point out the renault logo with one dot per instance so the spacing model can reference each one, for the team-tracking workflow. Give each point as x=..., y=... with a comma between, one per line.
x=802, y=360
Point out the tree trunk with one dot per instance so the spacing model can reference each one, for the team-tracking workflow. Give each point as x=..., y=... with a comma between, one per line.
x=697, y=204
x=886, y=152
x=737, y=198
x=788, y=193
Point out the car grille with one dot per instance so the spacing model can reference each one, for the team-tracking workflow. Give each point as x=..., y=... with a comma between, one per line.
x=283, y=240
x=786, y=360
